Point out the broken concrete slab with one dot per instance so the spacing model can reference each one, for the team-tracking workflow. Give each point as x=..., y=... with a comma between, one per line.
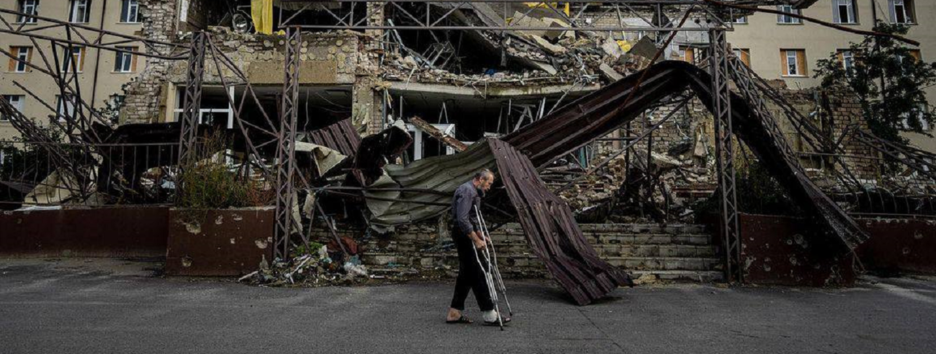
x=609, y=72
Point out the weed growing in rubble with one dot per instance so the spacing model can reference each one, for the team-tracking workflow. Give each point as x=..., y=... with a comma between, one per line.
x=212, y=180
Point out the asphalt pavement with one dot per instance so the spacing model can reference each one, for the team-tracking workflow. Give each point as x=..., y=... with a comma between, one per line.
x=112, y=306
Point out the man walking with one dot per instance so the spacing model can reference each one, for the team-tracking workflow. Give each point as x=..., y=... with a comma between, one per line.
x=466, y=232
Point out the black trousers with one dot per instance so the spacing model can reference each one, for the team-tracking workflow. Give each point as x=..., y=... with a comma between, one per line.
x=470, y=274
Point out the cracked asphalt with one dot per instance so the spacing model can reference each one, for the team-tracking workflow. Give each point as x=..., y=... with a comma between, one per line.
x=113, y=306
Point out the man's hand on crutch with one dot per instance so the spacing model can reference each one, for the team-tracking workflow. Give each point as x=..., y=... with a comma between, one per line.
x=478, y=238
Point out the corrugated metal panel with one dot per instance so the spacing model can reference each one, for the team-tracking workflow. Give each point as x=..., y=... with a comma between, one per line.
x=442, y=174
x=552, y=232
x=340, y=136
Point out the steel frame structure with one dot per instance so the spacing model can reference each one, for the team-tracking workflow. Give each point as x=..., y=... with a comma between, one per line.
x=724, y=154
x=348, y=16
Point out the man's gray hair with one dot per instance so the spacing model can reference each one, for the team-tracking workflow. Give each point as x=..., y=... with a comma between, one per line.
x=481, y=174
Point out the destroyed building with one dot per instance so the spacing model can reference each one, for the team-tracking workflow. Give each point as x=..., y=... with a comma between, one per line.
x=381, y=86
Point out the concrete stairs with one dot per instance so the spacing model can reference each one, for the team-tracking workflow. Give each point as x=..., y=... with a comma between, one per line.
x=655, y=252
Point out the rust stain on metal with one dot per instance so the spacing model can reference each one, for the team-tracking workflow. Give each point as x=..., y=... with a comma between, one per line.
x=552, y=232
x=340, y=136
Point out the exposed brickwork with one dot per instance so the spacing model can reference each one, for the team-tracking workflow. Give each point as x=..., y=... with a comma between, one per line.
x=143, y=93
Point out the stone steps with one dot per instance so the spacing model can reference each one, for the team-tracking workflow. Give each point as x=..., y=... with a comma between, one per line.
x=678, y=276
x=678, y=252
x=432, y=260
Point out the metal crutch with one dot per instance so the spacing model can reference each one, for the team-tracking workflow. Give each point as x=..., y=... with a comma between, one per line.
x=497, y=273
x=489, y=281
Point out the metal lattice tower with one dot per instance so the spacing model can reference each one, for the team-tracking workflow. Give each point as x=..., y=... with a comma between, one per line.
x=721, y=93
x=286, y=146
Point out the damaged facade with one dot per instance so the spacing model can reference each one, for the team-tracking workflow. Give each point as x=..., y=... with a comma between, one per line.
x=390, y=111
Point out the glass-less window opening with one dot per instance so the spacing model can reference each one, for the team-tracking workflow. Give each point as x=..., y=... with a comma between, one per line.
x=844, y=11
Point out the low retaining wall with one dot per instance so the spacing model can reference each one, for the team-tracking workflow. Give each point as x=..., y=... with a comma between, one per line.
x=85, y=232
x=782, y=250
x=218, y=242
x=900, y=245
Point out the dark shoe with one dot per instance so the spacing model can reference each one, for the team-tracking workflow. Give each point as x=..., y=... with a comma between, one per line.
x=461, y=319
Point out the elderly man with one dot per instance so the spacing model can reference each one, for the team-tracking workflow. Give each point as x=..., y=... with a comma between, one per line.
x=466, y=232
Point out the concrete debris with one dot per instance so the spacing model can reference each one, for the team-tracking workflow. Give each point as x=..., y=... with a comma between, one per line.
x=609, y=72
x=314, y=267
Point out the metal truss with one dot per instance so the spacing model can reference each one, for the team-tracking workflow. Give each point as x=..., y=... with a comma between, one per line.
x=721, y=93
x=191, y=102
x=498, y=15
x=286, y=147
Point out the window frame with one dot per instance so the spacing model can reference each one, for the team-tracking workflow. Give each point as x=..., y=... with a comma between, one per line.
x=77, y=53
x=128, y=7
x=61, y=107
x=786, y=19
x=800, y=63
x=20, y=105
x=743, y=20
x=23, y=58
x=852, y=12
x=845, y=57
x=73, y=11
x=22, y=6
x=907, y=10
x=125, y=57
x=741, y=53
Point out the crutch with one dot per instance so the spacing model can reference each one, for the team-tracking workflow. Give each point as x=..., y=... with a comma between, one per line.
x=489, y=281
x=496, y=269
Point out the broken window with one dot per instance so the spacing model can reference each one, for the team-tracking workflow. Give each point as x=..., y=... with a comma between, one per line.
x=22, y=55
x=74, y=60
x=787, y=19
x=901, y=11
x=425, y=146
x=794, y=62
x=916, y=117
x=847, y=58
x=744, y=54
x=844, y=12
x=65, y=108
x=30, y=7
x=460, y=113
x=17, y=101
x=215, y=107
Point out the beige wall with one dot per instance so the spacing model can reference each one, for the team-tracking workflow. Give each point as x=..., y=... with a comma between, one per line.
x=108, y=82
x=765, y=38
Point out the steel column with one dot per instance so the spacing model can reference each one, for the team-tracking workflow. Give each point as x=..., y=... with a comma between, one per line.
x=286, y=146
x=721, y=93
x=192, y=99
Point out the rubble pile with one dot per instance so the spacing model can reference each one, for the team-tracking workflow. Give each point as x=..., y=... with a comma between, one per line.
x=616, y=185
x=314, y=266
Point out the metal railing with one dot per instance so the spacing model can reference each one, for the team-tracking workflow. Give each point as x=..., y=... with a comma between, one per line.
x=31, y=173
